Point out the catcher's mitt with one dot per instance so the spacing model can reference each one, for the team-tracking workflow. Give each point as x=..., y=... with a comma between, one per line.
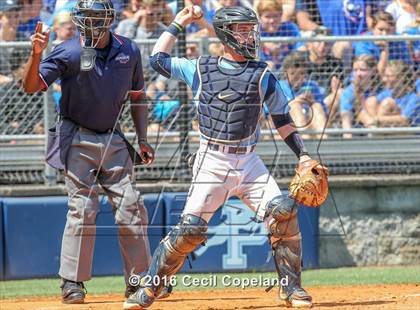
x=309, y=186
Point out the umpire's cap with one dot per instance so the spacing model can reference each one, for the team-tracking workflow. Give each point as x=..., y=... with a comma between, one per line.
x=227, y=16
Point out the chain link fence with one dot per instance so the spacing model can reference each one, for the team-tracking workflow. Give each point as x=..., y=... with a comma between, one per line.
x=353, y=93
x=300, y=78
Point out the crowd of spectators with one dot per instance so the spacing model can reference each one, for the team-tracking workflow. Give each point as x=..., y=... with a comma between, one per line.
x=335, y=84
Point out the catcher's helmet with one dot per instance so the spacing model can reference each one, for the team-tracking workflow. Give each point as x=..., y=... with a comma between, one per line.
x=228, y=16
x=93, y=18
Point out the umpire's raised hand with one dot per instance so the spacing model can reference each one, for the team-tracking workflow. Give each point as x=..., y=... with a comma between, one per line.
x=31, y=78
x=39, y=39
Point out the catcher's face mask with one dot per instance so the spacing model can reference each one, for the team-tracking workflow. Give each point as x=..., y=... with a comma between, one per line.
x=245, y=39
x=93, y=19
x=238, y=28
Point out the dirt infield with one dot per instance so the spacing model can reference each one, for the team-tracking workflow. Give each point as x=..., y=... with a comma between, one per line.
x=344, y=297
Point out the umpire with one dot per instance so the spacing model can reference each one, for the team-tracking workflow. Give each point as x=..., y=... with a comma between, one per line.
x=98, y=70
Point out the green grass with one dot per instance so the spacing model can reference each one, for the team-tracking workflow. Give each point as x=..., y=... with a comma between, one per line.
x=321, y=277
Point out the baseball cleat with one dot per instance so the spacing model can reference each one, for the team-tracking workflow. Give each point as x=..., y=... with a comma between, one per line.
x=165, y=293
x=297, y=303
x=298, y=299
x=129, y=290
x=72, y=292
x=141, y=299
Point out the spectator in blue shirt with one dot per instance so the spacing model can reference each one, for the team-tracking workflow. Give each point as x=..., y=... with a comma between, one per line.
x=49, y=5
x=306, y=98
x=365, y=83
x=30, y=16
x=398, y=104
x=47, y=9
x=146, y=22
x=415, y=45
x=134, y=6
x=383, y=51
x=343, y=17
x=270, y=12
x=10, y=58
x=325, y=69
x=164, y=109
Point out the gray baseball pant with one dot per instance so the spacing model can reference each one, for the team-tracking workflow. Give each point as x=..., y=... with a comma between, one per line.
x=101, y=160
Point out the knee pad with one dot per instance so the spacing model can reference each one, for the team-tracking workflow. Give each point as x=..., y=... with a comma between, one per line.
x=284, y=224
x=282, y=208
x=188, y=234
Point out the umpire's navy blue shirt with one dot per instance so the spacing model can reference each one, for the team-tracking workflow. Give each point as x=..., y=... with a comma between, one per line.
x=93, y=99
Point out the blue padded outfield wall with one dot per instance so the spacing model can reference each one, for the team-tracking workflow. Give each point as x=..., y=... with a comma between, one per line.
x=31, y=231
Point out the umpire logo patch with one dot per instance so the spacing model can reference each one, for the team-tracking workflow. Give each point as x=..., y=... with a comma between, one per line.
x=122, y=58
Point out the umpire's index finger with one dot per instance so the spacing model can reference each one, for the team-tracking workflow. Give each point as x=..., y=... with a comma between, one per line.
x=38, y=28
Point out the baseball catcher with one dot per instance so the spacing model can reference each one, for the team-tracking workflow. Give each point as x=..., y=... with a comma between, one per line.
x=229, y=92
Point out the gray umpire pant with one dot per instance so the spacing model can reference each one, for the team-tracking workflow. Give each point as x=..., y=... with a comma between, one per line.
x=93, y=160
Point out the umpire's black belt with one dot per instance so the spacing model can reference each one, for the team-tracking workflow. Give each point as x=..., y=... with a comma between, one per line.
x=92, y=132
x=87, y=130
x=231, y=149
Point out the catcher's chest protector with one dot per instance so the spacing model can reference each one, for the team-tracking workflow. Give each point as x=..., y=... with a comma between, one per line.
x=229, y=101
